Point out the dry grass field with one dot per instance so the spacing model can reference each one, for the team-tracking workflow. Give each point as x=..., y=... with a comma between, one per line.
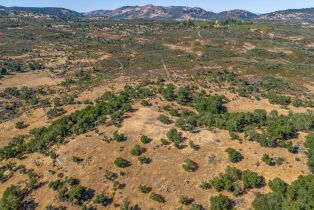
x=121, y=104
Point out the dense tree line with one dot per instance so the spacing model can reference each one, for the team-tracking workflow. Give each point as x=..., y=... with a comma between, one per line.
x=298, y=195
x=78, y=122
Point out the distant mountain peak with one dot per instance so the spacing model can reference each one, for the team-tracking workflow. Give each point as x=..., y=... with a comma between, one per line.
x=154, y=12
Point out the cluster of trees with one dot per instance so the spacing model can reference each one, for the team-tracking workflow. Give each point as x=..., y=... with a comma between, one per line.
x=12, y=198
x=287, y=100
x=78, y=122
x=70, y=190
x=272, y=161
x=274, y=129
x=235, y=181
x=10, y=66
x=25, y=93
x=309, y=144
x=278, y=99
x=298, y=195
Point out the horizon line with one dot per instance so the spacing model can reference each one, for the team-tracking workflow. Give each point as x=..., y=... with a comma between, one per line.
x=156, y=6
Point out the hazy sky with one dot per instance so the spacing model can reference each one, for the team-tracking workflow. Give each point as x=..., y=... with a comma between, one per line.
x=258, y=6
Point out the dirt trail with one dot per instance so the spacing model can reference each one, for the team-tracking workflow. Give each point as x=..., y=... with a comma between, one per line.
x=166, y=70
x=199, y=34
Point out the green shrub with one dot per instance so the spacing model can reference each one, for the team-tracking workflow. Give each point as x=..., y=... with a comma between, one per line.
x=251, y=179
x=185, y=200
x=118, y=137
x=11, y=198
x=103, y=199
x=220, y=202
x=174, y=112
x=165, y=142
x=145, y=139
x=78, y=194
x=122, y=163
x=164, y=119
x=233, y=155
x=168, y=92
x=205, y=185
x=55, y=185
x=157, y=197
x=111, y=176
x=184, y=95
x=77, y=159
x=309, y=144
x=194, y=146
x=270, y=201
x=145, y=103
x=174, y=136
x=196, y=206
x=234, y=136
x=272, y=161
x=20, y=125
x=278, y=186
x=137, y=150
x=189, y=165
x=144, y=160
x=144, y=188
x=211, y=104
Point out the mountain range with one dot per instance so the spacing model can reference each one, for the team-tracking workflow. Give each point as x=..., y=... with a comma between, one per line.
x=159, y=13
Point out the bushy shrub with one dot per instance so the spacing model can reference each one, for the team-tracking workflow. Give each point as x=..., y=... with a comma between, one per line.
x=11, y=198
x=144, y=160
x=205, y=185
x=184, y=95
x=189, y=165
x=122, y=163
x=103, y=199
x=270, y=201
x=20, y=125
x=119, y=137
x=174, y=112
x=174, y=136
x=144, y=188
x=278, y=186
x=233, y=155
x=137, y=150
x=251, y=179
x=169, y=92
x=145, y=103
x=188, y=121
x=145, y=139
x=193, y=145
x=185, y=200
x=157, y=197
x=211, y=104
x=272, y=161
x=196, y=206
x=309, y=144
x=220, y=202
x=77, y=159
x=164, y=119
x=111, y=176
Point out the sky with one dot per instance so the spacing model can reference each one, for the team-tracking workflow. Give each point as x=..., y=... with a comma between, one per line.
x=257, y=6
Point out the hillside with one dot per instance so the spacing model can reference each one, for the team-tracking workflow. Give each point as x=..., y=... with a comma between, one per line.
x=53, y=12
x=306, y=14
x=152, y=12
x=235, y=15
